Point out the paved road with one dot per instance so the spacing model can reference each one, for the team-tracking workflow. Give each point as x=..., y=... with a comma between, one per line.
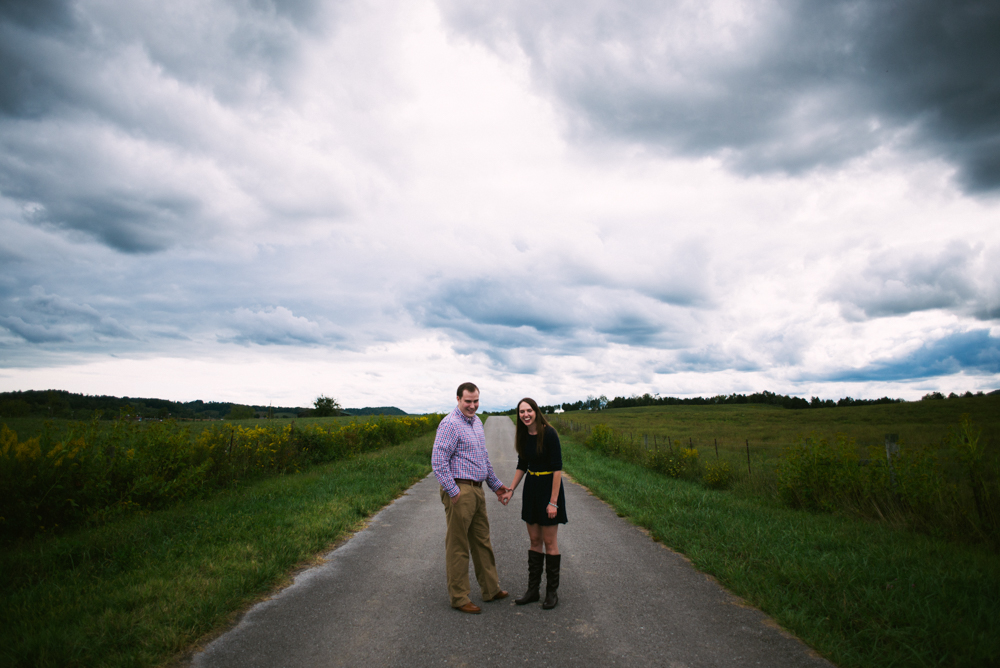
x=380, y=599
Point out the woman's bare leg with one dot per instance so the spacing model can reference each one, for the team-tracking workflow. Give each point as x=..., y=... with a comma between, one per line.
x=548, y=537
x=535, y=536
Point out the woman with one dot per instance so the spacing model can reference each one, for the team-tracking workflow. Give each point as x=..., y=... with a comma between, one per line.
x=539, y=459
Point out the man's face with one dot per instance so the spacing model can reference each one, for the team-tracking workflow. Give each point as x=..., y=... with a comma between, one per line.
x=468, y=403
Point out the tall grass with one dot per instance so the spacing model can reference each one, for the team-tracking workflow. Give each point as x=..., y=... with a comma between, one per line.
x=864, y=594
x=949, y=489
x=83, y=472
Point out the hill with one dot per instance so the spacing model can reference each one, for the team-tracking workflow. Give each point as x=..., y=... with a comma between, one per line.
x=381, y=410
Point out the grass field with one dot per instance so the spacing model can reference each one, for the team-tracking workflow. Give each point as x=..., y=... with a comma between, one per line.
x=864, y=594
x=768, y=428
x=139, y=590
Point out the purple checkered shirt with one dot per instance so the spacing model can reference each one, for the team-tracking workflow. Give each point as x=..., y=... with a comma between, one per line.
x=460, y=452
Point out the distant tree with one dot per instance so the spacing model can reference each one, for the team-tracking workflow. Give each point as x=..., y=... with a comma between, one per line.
x=931, y=396
x=238, y=412
x=326, y=406
x=15, y=408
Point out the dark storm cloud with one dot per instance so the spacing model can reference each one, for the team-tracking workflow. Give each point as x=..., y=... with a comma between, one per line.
x=114, y=118
x=708, y=360
x=34, y=333
x=504, y=319
x=897, y=284
x=40, y=317
x=222, y=46
x=785, y=87
x=974, y=352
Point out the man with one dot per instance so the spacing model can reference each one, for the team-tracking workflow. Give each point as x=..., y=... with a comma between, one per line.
x=461, y=464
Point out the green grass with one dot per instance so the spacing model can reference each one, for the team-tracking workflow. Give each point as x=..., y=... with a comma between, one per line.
x=860, y=593
x=772, y=427
x=941, y=493
x=138, y=591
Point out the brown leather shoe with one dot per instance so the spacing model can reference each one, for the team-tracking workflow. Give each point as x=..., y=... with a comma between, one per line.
x=499, y=596
x=470, y=608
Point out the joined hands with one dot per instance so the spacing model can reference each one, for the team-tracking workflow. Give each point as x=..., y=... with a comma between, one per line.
x=504, y=494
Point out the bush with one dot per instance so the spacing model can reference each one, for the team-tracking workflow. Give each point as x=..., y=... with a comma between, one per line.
x=949, y=492
x=717, y=475
x=684, y=464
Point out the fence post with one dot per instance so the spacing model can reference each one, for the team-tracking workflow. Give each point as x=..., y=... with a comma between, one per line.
x=716, y=448
x=891, y=451
x=645, y=441
x=749, y=473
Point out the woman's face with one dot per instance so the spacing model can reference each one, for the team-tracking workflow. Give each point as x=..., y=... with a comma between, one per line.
x=526, y=413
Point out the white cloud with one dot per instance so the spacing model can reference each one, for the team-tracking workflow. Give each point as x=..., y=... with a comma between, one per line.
x=277, y=325
x=377, y=203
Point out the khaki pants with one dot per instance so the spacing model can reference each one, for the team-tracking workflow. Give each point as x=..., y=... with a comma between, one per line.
x=468, y=531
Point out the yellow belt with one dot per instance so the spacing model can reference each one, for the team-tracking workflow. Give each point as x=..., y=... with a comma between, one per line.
x=540, y=472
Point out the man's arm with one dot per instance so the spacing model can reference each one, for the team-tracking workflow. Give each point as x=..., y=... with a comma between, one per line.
x=445, y=443
x=492, y=480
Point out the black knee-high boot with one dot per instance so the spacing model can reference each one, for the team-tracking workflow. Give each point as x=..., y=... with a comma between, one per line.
x=551, y=581
x=535, y=563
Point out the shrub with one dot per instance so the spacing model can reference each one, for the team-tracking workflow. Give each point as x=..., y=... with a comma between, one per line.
x=93, y=471
x=603, y=439
x=683, y=464
x=818, y=475
x=717, y=475
x=949, y=492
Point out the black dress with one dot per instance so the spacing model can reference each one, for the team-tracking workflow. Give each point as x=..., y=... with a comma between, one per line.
x=538, y=488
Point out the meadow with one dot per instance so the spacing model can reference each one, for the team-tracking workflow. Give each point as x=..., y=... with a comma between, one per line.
x=942, y=478
x=769, y=428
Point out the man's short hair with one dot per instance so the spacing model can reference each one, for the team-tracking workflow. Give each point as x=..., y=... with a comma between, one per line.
x=466, y=387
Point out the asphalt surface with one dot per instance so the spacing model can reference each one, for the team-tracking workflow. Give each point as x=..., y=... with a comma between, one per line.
x=624, y=600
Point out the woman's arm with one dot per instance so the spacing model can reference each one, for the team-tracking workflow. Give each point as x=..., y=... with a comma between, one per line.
x=554, y=452
x=552, y=508
x=518, y=474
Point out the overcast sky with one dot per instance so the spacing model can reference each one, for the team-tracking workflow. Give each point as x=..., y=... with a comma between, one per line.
x=256, y=201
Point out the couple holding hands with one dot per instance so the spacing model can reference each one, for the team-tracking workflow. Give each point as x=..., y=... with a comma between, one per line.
x=462, y=465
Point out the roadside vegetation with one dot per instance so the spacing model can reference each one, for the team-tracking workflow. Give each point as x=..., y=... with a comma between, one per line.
x=871, y=563
x=138, y=589
x=84, y=473
x=931, y=466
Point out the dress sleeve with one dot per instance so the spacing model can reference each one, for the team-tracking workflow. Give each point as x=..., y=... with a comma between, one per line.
x=522, y=463
x=553, y=450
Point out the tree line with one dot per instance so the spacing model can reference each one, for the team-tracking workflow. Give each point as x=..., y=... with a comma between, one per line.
x=785, y=401
x=592, y=403
x=63, y=404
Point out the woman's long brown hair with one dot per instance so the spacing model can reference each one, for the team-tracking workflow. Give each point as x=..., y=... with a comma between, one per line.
x=521, y=437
